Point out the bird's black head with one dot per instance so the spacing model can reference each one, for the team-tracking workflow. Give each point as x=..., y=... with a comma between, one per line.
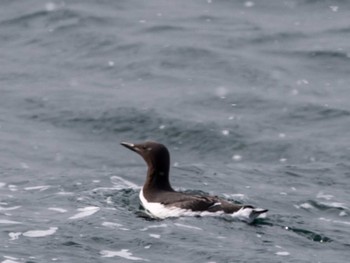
x=155, y=154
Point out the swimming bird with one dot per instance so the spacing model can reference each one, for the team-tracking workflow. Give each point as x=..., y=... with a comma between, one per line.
x=160, y=200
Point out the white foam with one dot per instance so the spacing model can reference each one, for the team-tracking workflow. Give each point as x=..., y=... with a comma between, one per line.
x=57, y=209
x=12, y=188
x=120, y=183
x=5, y=221
x=334, y=204
x=154, y=226
x=2, y=184
x=235, y=196
x=40, y=233
x=9, y=208
x=236, y=157
x=324, y=196
x=249, y=4
x=343, y=213
x=85, y=211
x=111, y=224
x=282, y=253
x=221, y=92
x=124, y=253
x=24, y=165
x=39, y=187
x=154, y=235
x=188, y=226
x=306, y=206
x=14, y=235
x=334, y=8
x=225, y=132
x=64, y=193
x=109, y=200
x=10, y=260
x=50, y=6
x=334, y=221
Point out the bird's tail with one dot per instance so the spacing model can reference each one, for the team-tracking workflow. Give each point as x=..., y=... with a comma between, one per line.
x=249, y=213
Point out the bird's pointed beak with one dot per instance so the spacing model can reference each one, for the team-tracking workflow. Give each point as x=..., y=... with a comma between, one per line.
x=130, y=146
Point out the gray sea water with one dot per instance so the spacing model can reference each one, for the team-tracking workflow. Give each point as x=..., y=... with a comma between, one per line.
x=250, y=97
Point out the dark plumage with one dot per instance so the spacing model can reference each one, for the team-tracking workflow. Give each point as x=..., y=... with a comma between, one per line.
x=157, y=188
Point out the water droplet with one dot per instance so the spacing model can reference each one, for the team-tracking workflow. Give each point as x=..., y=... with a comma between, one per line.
x=282, y=135
x=225, y=132
x=334, y=8
x=50, y=7
x=295, y=92
x=249, y=4
x=236, y=157
x=221, y=92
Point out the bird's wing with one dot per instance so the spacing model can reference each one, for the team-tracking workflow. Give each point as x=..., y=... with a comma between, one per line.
x=194, y=202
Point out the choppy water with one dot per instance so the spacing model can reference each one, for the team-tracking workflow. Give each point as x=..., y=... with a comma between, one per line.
x=251, y=97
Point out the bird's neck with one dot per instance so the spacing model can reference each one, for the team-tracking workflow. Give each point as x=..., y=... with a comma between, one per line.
x=158, y=179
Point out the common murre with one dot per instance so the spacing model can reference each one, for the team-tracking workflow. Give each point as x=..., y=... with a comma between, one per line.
x=160, y=200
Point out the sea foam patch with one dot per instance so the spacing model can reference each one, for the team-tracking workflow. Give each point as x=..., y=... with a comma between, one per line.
x=153, y=226
x=111, y=224
x=124, y=253
x=5, y=221
x=40, y=233
x=9, y=208
x=120, y=183
x=187, y=226
x=9, y=259
x=38, y=187
x=85, y=211
x=14, y=235
x=57, y=209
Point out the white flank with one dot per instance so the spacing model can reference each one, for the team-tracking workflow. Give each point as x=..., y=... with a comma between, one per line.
x=85, y=211
x=40, y=233
x=157, y=210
